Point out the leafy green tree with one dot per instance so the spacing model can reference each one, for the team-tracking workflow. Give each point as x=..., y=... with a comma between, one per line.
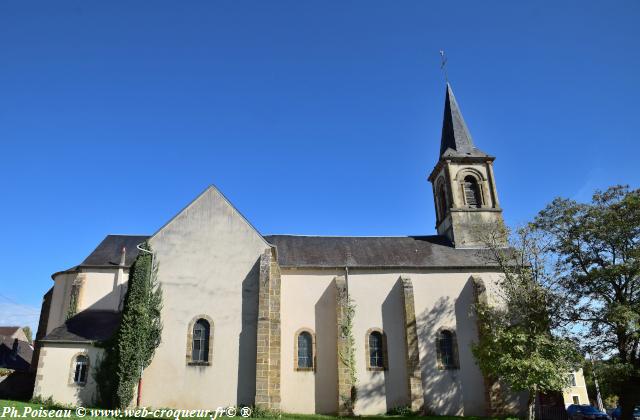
x=138, y=335
x=598, y=269
x=608, y=380
x=28, y=333
x=517, y=345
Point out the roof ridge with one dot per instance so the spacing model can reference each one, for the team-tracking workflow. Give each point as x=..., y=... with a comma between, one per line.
x=216, y=190
x=352, y=236
x=126, y=234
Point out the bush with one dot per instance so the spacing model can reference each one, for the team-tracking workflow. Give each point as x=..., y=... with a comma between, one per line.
x=260, y=412
x=403, y=410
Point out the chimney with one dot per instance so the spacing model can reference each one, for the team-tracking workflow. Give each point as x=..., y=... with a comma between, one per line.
x=123, y=256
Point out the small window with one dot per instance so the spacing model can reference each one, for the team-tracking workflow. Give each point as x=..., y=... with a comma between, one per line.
x=442, y=202
x=472, y=192
x=376, y=350
x=572, y=379
x=304, y=351
x=200, y=347
x=576, y=400
x=376, y=347
x=447, y=350
x=80, y=370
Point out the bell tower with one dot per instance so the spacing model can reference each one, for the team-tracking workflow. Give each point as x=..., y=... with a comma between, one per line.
x=464, y=187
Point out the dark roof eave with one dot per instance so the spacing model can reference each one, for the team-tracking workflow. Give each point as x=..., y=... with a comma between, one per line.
x=391, y=267
x=77, y=268
x=458, y=159
x=91, y=342
x=88, y=326
x=108, y=253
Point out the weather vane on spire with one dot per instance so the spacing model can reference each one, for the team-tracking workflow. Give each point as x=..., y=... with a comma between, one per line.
x=443, y=65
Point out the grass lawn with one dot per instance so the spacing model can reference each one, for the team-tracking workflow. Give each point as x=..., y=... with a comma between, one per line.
x=23, y=409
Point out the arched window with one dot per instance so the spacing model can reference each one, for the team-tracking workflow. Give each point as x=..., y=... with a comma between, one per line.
x=80, y=370
x=376, y=357
x=447, y=350
x=376, y=346
x=200, y=340
x=472, y=192
x=442, y=201
x=304, y=351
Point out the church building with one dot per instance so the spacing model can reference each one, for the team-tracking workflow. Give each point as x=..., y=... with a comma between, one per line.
x=252, y=320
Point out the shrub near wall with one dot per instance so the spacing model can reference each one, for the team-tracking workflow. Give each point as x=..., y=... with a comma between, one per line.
x=132, y=347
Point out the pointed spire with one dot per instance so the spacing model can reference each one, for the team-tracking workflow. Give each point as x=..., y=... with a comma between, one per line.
x=456, y=139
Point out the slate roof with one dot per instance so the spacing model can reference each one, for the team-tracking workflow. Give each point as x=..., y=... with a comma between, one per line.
x=374, y=252
x=21, y=359
x=8, y=331
x=108, y=252
x=456, y=139
x=86, y=326
x=332, y=251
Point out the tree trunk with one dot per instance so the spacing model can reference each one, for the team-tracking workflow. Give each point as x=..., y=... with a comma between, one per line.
x=629, y=398
x=531, y=413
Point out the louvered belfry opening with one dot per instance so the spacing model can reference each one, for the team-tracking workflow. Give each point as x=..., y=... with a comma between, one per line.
x=442, y=202
x=472, y=192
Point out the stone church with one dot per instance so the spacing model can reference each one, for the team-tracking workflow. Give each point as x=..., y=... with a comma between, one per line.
x=253, y=320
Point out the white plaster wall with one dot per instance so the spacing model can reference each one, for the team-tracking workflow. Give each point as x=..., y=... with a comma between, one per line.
x=208, y=264
x=442, y=299
x=378, y=297
x=102, y=289
x=54, y=377
x=308, y=300
x=60, y=300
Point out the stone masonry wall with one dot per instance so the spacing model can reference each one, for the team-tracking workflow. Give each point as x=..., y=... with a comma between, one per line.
x=269, y=341
x=414, y=377
x=345, y=387
x=494, y=394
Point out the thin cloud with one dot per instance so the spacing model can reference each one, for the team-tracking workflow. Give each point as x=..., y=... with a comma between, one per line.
x=12, y=314
x=591, y=182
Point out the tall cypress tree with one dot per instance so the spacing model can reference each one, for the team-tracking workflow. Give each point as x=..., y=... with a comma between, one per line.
x=133, y=345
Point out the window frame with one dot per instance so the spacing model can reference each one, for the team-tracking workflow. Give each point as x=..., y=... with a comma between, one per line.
x=455, y=361
x=385, y=355
x=441, y=199
x=74, y=367
x=200, y=337
x=190, y=341
x=475, y=191
x=483, y=189
x=296, y=366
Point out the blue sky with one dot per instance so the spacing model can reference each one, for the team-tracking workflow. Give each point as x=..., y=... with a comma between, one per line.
x=312, y=117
